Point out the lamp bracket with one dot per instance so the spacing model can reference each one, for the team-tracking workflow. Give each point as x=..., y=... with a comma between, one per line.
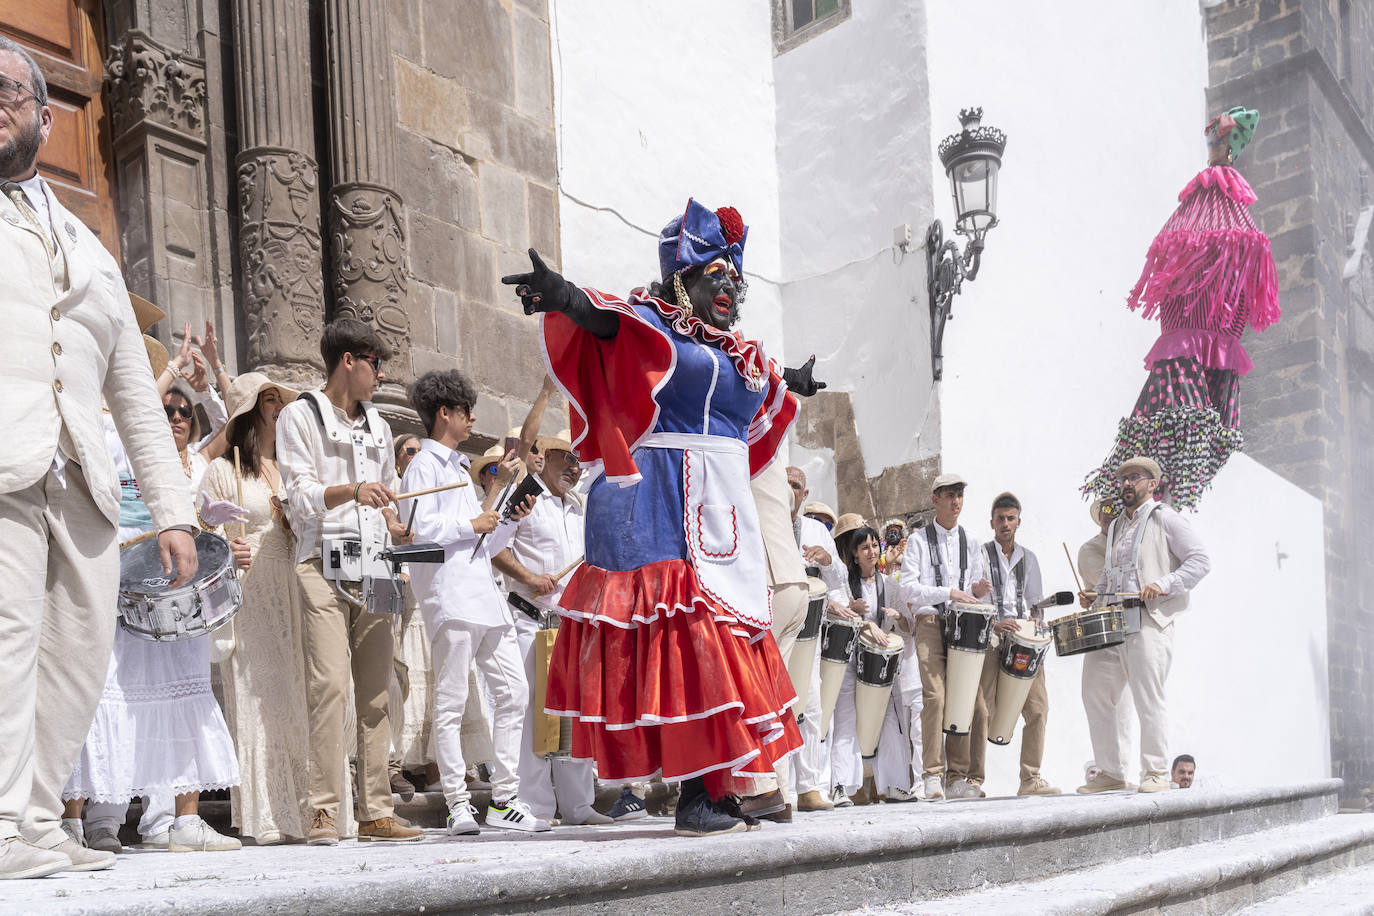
x=946, y=271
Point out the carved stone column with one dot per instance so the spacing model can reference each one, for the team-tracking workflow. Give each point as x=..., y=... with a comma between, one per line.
x=370, y=274
x=278, y=195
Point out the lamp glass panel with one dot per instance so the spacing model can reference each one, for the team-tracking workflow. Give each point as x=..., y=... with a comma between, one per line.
x=975, y=193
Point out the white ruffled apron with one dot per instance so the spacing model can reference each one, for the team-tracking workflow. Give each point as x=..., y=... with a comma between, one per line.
x=721, y=522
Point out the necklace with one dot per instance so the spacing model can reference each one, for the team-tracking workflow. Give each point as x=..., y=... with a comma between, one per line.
x=185, y=462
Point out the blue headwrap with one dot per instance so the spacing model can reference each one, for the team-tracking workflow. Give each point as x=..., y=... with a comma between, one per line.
x=698, y=237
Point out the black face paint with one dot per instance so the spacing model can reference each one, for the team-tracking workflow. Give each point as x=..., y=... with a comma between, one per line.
x=715, y=295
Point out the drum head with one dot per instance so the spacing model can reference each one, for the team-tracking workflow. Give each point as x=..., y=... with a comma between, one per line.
x=140, y=566
x=816, y=587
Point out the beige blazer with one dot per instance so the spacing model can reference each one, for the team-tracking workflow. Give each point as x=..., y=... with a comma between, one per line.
x=60, y=350
x=773, y=498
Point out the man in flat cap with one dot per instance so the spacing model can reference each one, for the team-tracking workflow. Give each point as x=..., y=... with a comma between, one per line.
x=1152, y=551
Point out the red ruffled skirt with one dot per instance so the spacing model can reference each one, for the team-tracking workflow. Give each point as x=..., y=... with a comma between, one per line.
x=659, y=679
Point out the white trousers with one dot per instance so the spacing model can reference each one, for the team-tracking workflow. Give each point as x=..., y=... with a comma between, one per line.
x=811, y=767
x=1143, y=663
x=158, y=814
x=549, y=785
x=891, y=762
x=454, y=648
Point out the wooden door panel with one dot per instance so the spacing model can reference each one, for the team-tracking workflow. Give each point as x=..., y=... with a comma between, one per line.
x=66, y=37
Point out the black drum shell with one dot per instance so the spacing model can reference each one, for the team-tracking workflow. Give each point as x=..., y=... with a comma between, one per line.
x=975, y=630
x=838, y=641
x=876, y=669
x=815, y=613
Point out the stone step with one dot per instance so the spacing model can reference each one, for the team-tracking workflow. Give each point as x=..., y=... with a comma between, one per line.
x=824, y=862
x=1214, y=877
x=1349, y=892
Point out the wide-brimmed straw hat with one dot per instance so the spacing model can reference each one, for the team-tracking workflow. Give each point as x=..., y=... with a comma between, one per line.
x=491, y=456
x=816, y=507
x=244, y=391
x=147, y=315
x=561, y=440
x=850, y=521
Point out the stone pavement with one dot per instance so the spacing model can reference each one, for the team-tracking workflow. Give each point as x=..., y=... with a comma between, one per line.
x=823, y=862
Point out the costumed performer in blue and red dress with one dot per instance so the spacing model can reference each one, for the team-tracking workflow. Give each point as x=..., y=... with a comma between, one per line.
x=664, y=656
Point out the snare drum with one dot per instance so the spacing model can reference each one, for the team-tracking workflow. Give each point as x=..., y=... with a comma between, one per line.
x=968, y=629
x=150, y=609
x=877, y=670
x=839, y=636
x=1087, y=631
x=802, y=660
x=1020, y=655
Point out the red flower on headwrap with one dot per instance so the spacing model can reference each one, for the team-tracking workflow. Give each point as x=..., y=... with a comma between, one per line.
x=731, y=224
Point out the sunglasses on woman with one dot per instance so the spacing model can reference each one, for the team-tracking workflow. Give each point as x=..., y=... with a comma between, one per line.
x=183, y=412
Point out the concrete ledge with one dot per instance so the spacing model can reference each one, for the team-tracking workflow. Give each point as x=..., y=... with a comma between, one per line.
x=1212, y=877
x=1350, y=893
x=822, y=863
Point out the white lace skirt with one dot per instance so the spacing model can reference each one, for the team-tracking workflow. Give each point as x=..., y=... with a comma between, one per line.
x=157, y=728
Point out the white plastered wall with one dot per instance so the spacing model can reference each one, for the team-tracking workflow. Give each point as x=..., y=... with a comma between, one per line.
x=1104, y=107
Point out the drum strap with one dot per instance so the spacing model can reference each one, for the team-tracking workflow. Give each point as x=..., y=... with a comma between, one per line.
x=937, y=560
x=995, y=573
x=856, y=590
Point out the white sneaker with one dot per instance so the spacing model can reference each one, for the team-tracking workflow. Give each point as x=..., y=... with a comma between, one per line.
x=462, y=820
x=514, y=815
x=105, y=839
x=156, y=840
x=934, y=789
x=198, y=836
x=84, y=859
x=21, y=859
x=962, y=788
x=895, y=794
x=1155, y=782
x=839, y=798
x=75, y=829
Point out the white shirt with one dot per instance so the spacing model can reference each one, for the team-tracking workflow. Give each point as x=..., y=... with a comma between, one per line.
x=461, y=588
x=36, y=193
x=310, y=462
x=547, y=540
x=835, y=577
x=1033, y=591
x=919, y=590
x=1182, y=540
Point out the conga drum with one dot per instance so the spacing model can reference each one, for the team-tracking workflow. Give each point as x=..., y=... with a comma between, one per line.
x=1020, y=657
x=838, y=639
x=968, y=629
x=873, y=679
x=803, y=656
x=552, y=734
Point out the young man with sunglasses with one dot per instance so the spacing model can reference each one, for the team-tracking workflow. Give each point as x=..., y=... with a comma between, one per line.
x=71, y=334
x=1152, y=551
x=335, y=455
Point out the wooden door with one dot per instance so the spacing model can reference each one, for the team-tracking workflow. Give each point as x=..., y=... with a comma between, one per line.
x=67, y=38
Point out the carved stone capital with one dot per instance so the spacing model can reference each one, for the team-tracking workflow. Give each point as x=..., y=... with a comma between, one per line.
x=148, y=81
x=281, y=259
x=370, y=273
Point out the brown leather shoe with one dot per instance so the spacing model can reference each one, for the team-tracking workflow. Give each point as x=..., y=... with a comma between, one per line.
x=322, y=830
x=813, y=801
x=402, y=786
x=386, y=830
x=763, y=805
x=779, y=817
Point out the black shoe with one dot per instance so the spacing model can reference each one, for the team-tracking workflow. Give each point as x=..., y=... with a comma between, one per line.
x=697, y=815
x=734, y=806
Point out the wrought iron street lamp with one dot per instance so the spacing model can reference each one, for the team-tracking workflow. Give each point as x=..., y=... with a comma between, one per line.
x=971, y=158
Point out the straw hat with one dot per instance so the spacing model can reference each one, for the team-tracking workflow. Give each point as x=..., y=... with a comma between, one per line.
x=491, y=456
x=850, y=521
x=816, y=507
x=561, y=440
x=147, y=315
x=1143, y=464
x=243, y=394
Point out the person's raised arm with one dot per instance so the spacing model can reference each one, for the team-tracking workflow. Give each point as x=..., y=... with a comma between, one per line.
x=530, y=430
x=544, y=290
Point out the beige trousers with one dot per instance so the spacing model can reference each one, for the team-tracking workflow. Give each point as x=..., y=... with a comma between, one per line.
x=1034, y=714
x=941, y=754
x=343, y=642
x=59, y=566
x=789, y=616
x=1142, y=662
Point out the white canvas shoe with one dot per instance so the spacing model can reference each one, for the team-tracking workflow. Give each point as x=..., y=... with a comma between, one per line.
x=1155, y=782
x=21, y=859
x=934, y=789
x=198, y=836
x=840, y=798
x=896, y=794
x=962, y=788
x=462, y=821
x=514, y=815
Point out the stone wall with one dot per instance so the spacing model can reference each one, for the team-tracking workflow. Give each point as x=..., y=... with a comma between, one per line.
x=1308, y=409
x=477, y=167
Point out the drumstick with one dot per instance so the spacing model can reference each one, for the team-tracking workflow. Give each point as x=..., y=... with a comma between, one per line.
x=238, y=483
x=571, y=567
x=414, y=493
x=1073, y=569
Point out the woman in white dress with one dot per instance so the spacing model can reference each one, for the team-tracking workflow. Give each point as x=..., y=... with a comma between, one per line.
x=261, y=655
x=157, y=732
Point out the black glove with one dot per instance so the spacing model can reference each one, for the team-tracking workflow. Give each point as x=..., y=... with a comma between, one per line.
x=544, y=290
x=799, y=381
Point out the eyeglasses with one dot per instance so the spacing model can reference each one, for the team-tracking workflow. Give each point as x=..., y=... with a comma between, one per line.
x=1134, y=477
x=12, y=92
x=412, y=451
x=374, y=361
x=183, y=412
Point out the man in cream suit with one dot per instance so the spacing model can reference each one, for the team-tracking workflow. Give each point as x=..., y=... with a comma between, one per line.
x=1153, y=551
x=70, y=336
